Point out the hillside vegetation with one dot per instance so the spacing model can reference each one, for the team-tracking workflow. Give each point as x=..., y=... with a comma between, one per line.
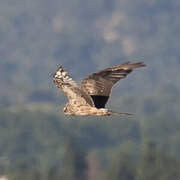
x=37, y=141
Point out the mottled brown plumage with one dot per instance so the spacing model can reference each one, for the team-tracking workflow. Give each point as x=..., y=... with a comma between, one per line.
x=91, y=97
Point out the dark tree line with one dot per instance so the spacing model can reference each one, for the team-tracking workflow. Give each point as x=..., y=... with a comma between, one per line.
x=152, y=164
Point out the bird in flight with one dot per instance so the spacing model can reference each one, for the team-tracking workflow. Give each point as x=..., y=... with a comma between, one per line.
x=90, y=97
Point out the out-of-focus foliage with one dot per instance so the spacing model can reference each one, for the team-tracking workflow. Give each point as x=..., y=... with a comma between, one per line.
x=37, y=141
x=157, y=165
x=39, y=135
x=85, y=36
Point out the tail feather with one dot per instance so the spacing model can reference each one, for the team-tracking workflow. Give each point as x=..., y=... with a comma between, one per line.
x=120, y=113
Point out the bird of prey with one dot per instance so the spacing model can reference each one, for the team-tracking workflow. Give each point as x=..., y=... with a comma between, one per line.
x=90, y=97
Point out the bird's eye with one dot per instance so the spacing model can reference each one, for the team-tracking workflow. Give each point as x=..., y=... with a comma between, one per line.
x=65, y=109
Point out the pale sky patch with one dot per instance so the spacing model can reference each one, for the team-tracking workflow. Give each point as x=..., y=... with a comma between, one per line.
x=57, y=24
x=110, y=36
x=108, y=26
x=128, y=46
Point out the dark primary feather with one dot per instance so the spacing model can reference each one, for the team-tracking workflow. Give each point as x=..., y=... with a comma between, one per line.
x=99, y=84
x=100, y=101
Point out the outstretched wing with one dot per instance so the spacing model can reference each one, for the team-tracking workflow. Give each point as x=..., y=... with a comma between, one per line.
x=73, y=91
x=98, y=85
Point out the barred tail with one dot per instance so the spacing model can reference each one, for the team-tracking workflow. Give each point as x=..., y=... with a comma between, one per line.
x=120, y=113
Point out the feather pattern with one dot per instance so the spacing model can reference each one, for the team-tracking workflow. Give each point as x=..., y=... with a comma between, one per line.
x=101, y=83
x=90, y=98
x=72, y=90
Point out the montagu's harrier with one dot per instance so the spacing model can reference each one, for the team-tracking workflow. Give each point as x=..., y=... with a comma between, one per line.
x=90, y=98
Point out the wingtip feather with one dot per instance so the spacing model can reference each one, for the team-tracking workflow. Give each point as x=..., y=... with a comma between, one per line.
x=128, y=66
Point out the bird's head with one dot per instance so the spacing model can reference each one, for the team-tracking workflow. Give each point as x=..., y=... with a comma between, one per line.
x=67, y=109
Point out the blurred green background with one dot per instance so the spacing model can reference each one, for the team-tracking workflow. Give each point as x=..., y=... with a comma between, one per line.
x=37, y=142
